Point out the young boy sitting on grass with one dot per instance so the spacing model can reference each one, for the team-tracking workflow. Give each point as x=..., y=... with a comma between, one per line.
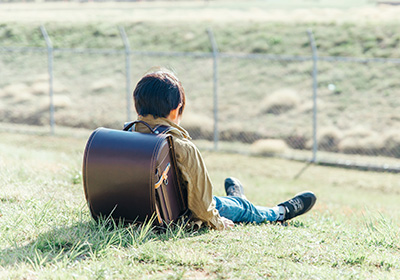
x=160, y=100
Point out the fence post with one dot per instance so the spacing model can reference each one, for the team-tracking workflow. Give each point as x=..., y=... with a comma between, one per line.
x=127, y=71
x=215, y=85
x=50, y=59
x=315, y=88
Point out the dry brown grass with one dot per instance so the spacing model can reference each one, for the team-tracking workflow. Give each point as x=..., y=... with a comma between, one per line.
x=269, y=147
x=392, y=143
x=191, y=119
x=361, y=141
x=358, y=132
x=280, y=101
x=14, y=90
x=308, y=105
x=61, y=101
x=40, y=88
x=368, y=146
x=198, y=125
x=329, y=138
x=287, y=104
x=103, y=85
x=35, y=94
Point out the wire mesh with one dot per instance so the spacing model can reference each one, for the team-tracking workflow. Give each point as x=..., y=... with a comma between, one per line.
x=358, y=112
x=267, y=105
x=24, y=88
x=265, y=102
x=91, y=90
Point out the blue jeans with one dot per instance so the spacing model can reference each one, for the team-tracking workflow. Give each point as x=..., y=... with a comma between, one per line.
x=240, y=210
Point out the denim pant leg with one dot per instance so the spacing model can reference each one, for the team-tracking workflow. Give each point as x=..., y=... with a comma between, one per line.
x=241, y=210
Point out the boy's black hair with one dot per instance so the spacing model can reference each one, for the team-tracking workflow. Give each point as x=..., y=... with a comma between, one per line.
x=158, y=93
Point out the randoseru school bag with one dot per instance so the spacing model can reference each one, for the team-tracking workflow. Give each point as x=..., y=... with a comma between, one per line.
x=132, y=176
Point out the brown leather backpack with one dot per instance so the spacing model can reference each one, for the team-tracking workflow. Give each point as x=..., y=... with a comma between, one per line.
x=133, y=176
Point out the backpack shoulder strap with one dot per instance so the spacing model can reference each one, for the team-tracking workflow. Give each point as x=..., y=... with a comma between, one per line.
x=163, y=129
x=159, y=129
x=128, y=126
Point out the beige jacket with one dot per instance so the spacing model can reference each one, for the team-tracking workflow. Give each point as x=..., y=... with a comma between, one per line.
x=194, y=175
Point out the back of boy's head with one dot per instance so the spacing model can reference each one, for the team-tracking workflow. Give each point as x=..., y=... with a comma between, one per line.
x=158, y=93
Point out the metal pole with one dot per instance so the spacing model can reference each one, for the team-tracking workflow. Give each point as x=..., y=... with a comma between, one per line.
x=315, y=88
x=127, y=71
x=50, y=59
x=215, y=85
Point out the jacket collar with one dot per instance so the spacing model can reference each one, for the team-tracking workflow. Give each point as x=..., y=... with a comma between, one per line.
x=177, y=131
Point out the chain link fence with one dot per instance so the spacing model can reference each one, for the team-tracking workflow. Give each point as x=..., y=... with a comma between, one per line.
x=331, y=110
x=358, y=114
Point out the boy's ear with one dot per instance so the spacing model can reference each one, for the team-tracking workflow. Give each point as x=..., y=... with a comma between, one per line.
x=174, y=115
x=178, y=110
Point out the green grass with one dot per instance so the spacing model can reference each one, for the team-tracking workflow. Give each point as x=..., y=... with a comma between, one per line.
x=365, y=39
x=46, y=231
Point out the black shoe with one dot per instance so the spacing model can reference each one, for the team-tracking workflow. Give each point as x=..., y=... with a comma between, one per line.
x=298, y=205
x=233, y=187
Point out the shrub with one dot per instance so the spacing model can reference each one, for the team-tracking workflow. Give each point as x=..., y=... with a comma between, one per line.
x=103, y=85
x=269, y=147
x=40, y=88
x=371, y=145
x=60, y=101
x=239, y=135
x=18, y=92
x=392, y=144
x=358, y=132
x=280, y=101
x=329, y=139
x=296, y=141
x=199, y=126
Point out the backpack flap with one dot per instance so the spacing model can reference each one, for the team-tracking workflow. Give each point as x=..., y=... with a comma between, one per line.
x=118, y=169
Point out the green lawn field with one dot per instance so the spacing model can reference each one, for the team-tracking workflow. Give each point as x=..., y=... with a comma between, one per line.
x=353, y=232
x=46, y=231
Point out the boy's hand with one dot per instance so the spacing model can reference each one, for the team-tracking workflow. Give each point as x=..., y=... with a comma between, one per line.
x=228, y=224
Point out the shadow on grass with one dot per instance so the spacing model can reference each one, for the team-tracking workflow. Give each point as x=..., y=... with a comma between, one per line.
x=94, y=240
x=89, y=240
